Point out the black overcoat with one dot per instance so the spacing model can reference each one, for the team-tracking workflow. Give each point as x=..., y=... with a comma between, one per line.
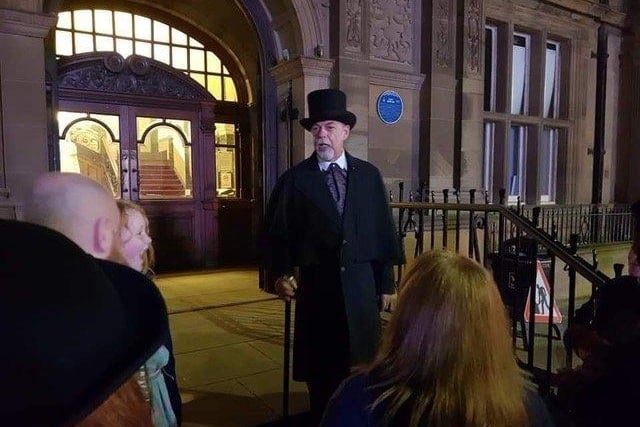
x=345, y=263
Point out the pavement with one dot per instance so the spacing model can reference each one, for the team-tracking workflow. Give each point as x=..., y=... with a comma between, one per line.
x=228, y=336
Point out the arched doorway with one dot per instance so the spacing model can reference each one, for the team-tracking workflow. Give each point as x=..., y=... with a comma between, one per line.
x=145, y=132
x=141, y=122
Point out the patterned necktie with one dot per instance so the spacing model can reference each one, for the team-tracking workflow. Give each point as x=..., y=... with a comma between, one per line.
x=336, y=178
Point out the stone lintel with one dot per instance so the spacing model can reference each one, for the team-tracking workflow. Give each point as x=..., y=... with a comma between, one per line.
x=396, y=79
x=302, y=66
x=26, y=24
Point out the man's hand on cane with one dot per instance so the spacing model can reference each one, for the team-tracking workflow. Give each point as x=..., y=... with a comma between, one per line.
x=286, y=287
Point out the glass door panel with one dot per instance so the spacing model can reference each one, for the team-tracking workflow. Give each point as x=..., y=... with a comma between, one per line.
x=164, y=158
x=226, y=155
x=90, y=145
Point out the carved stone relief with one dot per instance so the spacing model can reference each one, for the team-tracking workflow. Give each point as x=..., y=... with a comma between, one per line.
x=442, y=34
x=473, y=32
x=354, y=25
x=135, y=75
x=392, y=30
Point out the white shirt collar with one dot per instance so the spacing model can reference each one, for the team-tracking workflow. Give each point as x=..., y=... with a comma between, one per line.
x=341, y=161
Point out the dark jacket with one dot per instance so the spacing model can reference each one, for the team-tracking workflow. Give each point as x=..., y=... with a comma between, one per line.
x=345, y=262
x=350, y=407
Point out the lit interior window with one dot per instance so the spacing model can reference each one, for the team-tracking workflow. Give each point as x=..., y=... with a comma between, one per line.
x=99, y=30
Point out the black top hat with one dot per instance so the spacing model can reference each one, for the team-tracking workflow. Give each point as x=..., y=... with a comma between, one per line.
x=73, y=329
x=328, y=104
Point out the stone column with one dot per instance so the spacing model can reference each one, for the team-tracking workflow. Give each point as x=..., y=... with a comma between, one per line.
x=349, y=31
x=305, y=74
x=471, y=146
x=442, y=19
x=23, y=121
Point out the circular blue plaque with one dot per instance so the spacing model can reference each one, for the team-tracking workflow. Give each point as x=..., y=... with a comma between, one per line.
x=390, y=107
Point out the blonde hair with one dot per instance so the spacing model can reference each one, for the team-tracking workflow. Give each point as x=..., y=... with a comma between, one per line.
x=149, y=260
x=446, y=355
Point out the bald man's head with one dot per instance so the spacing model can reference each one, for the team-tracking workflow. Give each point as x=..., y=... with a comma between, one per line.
x=77, y=207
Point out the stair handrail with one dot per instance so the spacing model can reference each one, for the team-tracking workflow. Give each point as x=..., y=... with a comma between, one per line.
x=581, y=266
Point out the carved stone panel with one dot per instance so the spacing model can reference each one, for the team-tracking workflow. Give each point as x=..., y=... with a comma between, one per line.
x=135, y=75
x=473, y=35
x=354, y=26
x=442, y=33
x=392, y=30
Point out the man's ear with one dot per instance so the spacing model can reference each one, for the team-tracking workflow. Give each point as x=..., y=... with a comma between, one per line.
x=104, y=238
x=347, y=131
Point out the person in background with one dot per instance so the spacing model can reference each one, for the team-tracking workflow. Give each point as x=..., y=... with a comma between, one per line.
x=159, y=370
x=329, y=216
x=445, y=359
x=79, y=208
x=76, y=330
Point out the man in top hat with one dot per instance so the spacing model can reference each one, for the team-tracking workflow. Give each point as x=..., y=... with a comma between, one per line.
x=329, y=216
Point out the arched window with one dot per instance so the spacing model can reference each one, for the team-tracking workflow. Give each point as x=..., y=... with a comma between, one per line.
x=87, y=30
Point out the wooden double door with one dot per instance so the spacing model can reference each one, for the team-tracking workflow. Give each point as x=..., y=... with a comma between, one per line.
x=160, y=158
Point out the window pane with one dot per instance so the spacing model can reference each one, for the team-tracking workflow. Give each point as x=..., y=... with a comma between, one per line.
x=213, y=63
x=162, y=53
x=83, y=20
x=179, y=58
x=144, y=123
x=515, y=162
x=225, y=134
x=66, y=117
x=164, y=161
x=64, y=20
x=84, y=43
x=110, y=121
x=230, y=93
x=160, y=32
x=124, y=26
x=183, y=125
x=143, y=27
x=551, y=80
x=490, y=68
x=194, y=43
x=487, y=167
x=547, y=171
x=178, y=37
x=197, y=60
x=519, y=69
x=64, y=44
x=104, y=44
x=89, y=150
x=214, y=86
x=226, y=172
x=124, y=47
x=104, y=21
x=144, y=49
x=199, y=77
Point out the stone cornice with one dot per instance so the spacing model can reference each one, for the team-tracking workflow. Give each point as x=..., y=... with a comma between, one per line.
x=396, y=79
x=26, y=24
x=588, y=9
x=302, y=65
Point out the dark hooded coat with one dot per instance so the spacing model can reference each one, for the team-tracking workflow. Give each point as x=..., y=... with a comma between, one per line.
x=345, y=263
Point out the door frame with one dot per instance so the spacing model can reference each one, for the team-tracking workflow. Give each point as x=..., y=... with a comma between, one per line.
x=114, y=83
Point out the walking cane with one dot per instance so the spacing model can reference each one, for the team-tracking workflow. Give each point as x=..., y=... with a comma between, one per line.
x=287, y=356
x=290, y=115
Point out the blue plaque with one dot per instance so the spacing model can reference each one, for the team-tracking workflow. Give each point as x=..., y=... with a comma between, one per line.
x=390, y=107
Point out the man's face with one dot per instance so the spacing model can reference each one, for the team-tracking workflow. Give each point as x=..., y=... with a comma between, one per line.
x=328, y=139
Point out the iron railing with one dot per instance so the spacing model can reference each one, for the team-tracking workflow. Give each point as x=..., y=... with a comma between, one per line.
x=483, y=230
x=594, y=224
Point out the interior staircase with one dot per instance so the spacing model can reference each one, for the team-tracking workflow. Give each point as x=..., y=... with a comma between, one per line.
x=159, y=180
